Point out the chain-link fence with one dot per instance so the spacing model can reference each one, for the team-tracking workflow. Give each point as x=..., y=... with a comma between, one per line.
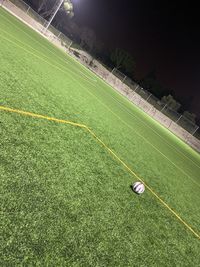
x=176, y=117
x=29, y=16
x=28, y=10
x=32, y=18
x=22, y=5
x=197, y=133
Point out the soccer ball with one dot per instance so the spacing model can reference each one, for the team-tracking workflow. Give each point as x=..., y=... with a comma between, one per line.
x=138, y=188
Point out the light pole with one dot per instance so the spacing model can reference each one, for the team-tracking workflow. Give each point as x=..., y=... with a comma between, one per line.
x=61, y=1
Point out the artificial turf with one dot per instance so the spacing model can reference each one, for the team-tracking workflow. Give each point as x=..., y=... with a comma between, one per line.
x=65, y=201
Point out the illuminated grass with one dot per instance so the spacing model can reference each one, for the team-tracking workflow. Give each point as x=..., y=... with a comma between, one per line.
x=64, y=200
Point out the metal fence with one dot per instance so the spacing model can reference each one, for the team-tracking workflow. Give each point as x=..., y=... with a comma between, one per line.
x=176, y=117
x=36, y=21
x=39, y=23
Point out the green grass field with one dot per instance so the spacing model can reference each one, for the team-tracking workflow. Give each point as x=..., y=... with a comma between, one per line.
x=65, y=199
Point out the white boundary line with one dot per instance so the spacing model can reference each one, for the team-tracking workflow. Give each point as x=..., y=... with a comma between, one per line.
x=117, y=116
x=94, y=80
x=110, y=87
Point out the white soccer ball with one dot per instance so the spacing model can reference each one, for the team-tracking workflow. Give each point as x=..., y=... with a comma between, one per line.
x=138, y=187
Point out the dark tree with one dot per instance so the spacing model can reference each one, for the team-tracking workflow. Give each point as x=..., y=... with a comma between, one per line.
x=171, y=102
x=123, y=61
x=190, y=116
x=150, y=83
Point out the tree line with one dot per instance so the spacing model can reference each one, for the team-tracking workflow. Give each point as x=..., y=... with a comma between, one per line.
x=114, y=57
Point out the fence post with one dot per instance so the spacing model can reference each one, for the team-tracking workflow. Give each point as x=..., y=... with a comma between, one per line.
x=112, y=70
x=28, y=10
x=70, y=45
x=124, y=79
x=136, y=88
x=59, y=35
x=179, y=118
x=163, y=107
x=195, y=130
x=54, y=14
x=148, y=97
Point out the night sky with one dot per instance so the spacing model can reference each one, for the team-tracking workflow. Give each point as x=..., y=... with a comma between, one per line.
x=161, y=35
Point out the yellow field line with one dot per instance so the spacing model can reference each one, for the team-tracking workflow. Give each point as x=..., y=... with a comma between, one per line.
x=148, y=187
x=144, y=138
x=34, y=115
x=88, y=79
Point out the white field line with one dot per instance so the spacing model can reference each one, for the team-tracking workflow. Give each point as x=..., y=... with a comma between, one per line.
x=131, y=114
x=111, y=153
x=41, y=45
x=42, y=57
x=141, y=121
x=106, y=107
x=168, y=131
x=145, y=139
x=179, y=152
x=81, y=65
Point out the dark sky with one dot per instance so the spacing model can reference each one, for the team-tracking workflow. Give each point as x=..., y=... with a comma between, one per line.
x=161, y=35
